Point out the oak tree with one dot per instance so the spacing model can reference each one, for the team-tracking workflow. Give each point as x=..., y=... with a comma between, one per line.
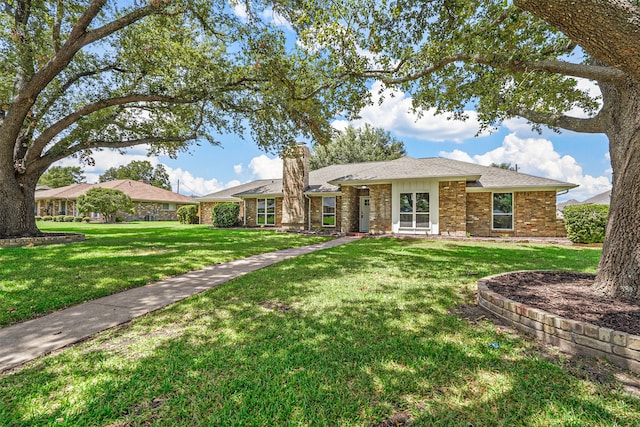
x=77, y=77
x=520, y=58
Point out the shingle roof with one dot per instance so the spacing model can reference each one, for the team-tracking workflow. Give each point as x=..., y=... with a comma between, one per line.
x=329, y=179
x=599, y=199
x=137, y=190
x=228, y=194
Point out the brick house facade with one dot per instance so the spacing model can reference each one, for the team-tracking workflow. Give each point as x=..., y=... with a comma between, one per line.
x=406, y=195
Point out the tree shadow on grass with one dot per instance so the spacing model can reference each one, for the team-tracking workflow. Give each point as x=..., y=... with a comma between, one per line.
x=324, y=339
x=39, y=280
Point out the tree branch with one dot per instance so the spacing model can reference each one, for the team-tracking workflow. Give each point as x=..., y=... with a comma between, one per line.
x=48, y=134
x=607, y=30
x=49, y=158
x=594, y=124
x=593, y=72
x=53, y=99
x=55, y=33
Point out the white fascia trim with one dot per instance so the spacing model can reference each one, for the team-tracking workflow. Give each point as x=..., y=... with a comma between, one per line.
x=317, y=194
x=515, y=189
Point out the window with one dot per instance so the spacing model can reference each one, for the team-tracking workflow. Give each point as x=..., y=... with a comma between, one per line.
x=502, y=211
x=414, y=210
x=328, y=211
x=266, y=214
x=168, y=206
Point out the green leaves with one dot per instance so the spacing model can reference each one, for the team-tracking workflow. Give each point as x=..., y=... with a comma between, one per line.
x=357, y=145
x=164, y=74
x=105, y=201
x=139, y=171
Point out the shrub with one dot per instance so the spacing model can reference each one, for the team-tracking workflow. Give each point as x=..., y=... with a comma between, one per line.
x=119, y=219
x=68, y=218
x=226, y=214
x=47, y=218
x=188, y=214
x=58, y=218
x=77, y=219
x=38, y=218
x=86, y=219
x=586, y=223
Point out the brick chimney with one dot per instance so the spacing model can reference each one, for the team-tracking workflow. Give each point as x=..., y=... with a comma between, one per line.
x=295, y=179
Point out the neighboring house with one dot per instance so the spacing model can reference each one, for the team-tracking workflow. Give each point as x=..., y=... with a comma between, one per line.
x=600, y=199
x=406, y=195
x=149, y=203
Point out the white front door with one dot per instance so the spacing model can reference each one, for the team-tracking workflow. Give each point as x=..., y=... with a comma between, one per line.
x=364, y=214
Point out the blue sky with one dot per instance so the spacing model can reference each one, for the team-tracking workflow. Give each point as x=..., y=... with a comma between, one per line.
x=577, y=158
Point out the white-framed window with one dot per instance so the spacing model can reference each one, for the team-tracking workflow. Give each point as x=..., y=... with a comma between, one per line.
x=266, y=212
x=414, y=210
x=168, y=206
x=502, y=211
x=328, y=211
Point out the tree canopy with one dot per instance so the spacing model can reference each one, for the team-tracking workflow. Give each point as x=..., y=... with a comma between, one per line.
x=78, y=77
x=60, y=176
x=354, y=145
x=139, y=171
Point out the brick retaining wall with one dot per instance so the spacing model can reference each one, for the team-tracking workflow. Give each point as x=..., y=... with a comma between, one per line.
x=570, y=336
x=42, y=240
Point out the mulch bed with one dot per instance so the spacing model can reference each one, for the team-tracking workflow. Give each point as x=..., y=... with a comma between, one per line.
x=569, y=295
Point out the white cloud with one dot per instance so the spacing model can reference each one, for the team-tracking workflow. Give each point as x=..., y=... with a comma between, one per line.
x=108, y=159
x=185, y=183
x=537, y=156
x=394, y=115
x=265, y=168
x=277, y=19
x=238, y=168
x=240, y=9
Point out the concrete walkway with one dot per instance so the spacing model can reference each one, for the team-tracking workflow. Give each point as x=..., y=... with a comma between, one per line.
x=23, y=342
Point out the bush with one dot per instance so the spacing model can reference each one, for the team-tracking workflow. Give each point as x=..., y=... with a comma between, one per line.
x=47, y=218
x=68, y=218
x=38, y=218
x=188, y=214
x=58, y=218
x=77, y=219
x=586, y=223
x=119, y=219
x=86, y=219
x=226, y=214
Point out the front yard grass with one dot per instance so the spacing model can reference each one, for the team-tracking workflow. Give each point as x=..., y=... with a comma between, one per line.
x=357, y=335
x=38, y=280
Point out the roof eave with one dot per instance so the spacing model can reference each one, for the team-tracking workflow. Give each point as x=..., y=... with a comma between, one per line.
x=522, y=188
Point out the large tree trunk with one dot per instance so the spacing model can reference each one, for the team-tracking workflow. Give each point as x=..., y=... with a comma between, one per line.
x=619, y=269
x=17, y=205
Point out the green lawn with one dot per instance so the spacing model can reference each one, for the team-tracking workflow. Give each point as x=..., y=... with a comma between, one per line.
x=42, y=279
x=348, y=336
